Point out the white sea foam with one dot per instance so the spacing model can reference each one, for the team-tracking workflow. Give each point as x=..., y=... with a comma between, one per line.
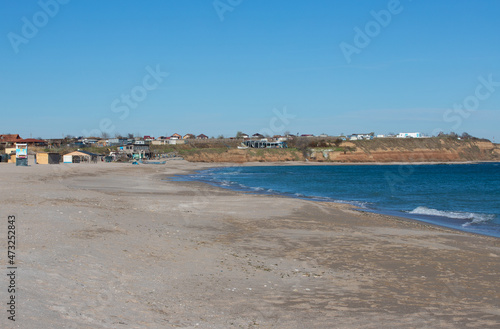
x=231, y=173
x=225, y=183
x=473, y=218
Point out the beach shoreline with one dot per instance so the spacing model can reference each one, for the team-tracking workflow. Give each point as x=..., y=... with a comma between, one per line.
x=116, y=245
x=388, y=213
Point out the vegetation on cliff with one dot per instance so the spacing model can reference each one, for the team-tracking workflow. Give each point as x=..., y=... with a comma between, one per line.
x=436, y=149
x=445, y=148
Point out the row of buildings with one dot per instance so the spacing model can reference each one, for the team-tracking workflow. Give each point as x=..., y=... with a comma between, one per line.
x=139, y=148
x=149, y=140
x=355, y=137
x=11, y=139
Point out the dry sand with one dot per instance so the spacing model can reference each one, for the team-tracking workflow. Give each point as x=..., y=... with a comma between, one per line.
x=116, y=246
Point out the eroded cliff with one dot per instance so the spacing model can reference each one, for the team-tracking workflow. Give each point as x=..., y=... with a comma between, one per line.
x=378, y=150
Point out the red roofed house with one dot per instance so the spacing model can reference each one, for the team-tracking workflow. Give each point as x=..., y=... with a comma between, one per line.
x=33, y=142
x=10, y=139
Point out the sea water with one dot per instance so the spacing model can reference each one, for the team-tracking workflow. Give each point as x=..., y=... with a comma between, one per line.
x=459, y=196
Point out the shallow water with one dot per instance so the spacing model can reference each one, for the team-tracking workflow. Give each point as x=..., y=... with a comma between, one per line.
x=460, y=196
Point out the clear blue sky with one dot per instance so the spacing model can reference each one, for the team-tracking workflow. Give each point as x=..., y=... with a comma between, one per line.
x=228, y=75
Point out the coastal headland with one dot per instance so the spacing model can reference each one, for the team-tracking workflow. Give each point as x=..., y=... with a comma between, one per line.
x=113, y=245
x=381, y=150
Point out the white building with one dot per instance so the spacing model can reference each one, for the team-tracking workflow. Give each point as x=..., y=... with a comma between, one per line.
x=356, y=137
x=409, y=135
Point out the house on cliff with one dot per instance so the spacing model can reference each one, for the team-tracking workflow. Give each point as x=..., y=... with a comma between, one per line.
x=409, y=135
x=357, y=137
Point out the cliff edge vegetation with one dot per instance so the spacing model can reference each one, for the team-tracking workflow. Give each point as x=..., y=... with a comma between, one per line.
x=383, y=150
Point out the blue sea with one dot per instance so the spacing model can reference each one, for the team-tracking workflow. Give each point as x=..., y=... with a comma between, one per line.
x=460, y=196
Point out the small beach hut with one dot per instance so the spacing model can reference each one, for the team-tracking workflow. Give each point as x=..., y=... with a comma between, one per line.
x=80, y=156
x=48, y=158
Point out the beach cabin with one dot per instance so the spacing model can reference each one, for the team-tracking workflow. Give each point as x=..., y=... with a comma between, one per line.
x=79, y=157
x=48, y=158
x=11, y=156
x=136, y=151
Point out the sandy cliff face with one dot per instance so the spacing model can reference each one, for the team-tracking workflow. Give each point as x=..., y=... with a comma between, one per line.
x=382, y=150
x=415, y=151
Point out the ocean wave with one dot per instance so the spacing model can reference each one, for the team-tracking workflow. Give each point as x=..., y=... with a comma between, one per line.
x=359, y=204
x=472, y=218
x=230, y=173
x=226, y=183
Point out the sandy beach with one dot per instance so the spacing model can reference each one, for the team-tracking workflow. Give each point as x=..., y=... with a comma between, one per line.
x=120, y=246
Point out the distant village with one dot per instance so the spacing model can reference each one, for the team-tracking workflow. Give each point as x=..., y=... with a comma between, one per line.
x=15, y=149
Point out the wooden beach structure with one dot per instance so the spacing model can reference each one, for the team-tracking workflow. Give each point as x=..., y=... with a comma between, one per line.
x=48, y=158
x=80, y=156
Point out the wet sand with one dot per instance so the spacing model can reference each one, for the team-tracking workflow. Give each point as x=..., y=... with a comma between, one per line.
x=117, y=246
